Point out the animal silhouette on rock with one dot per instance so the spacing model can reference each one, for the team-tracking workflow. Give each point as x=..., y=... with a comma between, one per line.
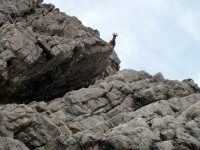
x=113, y=41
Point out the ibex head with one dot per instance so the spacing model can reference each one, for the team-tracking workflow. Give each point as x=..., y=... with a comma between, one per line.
x=115, y=34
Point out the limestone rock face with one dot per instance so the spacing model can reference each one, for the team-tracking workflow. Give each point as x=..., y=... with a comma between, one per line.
x=60, y=89
x=129, y=110
x=7, y=143
x=45, y=53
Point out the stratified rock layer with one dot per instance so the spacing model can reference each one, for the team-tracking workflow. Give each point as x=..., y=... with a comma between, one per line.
x=45, y=53
x=127, y=111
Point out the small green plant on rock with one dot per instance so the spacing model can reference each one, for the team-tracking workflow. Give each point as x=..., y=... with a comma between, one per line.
x=61, y=124
x=40, y=109
x=174, y=109
x=73, y=129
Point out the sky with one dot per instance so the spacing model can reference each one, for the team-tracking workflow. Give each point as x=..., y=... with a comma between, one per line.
x=153, y=35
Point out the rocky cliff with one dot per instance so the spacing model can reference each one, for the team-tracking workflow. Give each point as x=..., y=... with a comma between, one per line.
x=45, y=53
x=60, y=90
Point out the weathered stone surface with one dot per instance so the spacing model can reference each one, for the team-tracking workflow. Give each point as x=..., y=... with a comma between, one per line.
x=39, y=132
x=26, y=124
x=7, y=143
x=129, y=110
x=45, y=53
x=165, y=145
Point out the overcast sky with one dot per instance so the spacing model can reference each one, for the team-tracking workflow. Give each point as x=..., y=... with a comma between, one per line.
x=154, y=35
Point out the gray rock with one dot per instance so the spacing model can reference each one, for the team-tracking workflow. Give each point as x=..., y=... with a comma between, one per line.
x=39, y=132
x=7, y=143
x=43, y=50
x=165, y=145
x=7, y=55
x=28, y=125
x=45, y=54
x=109, y=115
x=15, y=118
x=158, y=77
x=168, y=134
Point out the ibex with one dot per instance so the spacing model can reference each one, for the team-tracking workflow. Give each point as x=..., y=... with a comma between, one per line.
x=113, y=39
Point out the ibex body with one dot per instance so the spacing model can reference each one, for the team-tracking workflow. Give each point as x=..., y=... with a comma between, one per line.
x=113, y=42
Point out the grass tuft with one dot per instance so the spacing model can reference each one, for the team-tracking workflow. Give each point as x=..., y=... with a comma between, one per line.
x=174, y=109
x=73, y=129
x=61, y=124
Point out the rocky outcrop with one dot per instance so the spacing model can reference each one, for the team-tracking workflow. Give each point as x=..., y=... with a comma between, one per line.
x=72, y=96
x=45, y=53
x=7, y=143
x=129, y=110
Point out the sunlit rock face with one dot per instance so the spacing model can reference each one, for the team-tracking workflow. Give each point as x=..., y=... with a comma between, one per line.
x=45, y=53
